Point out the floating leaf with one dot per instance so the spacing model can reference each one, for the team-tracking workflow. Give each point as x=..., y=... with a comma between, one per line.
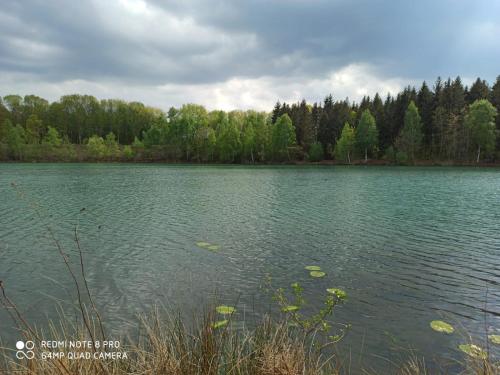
x=213, y=247
x=290, y=308
x=440, y=326
x=495, y=339
x=202, y=244
x=225, y=310
x=473, y=350
x=337, y=292
x=317, y=274
x=313, y=268
x=220, y=323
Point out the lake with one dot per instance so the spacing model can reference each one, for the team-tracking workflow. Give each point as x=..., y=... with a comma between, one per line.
x=408, y=244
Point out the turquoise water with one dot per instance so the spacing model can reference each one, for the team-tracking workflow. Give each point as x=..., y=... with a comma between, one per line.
x=409, y=245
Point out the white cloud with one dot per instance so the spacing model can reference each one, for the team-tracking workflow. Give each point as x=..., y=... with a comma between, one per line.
x=353, y=81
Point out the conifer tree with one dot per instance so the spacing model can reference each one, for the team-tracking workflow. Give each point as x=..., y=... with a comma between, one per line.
x=410, y=138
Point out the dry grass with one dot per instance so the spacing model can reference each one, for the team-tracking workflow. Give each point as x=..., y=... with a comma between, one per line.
x=167, y=346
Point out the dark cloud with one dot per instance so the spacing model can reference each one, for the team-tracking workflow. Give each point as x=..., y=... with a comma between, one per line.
x=190, y=42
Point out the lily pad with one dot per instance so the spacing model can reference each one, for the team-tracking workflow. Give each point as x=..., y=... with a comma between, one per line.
x=220, y=323
x=313, y=268
x=317, y=274
x=202, y=244
x=440, y=326
x=225, y=310
x=473, y=350
x=337, y=292
x=213, y=247
x=495, y=339
x=290, y=308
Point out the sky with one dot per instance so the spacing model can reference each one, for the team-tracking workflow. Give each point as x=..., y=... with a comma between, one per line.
x=241, y=54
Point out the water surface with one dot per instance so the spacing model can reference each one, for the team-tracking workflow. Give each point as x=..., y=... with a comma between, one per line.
x=409, y=245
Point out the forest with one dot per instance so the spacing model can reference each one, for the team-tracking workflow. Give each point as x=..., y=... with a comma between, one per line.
x=447, y=122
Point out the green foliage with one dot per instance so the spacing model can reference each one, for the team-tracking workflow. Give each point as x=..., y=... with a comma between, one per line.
x=390, y=154
x=401, y=157
x=316, y=152
x=319, y=321
x=128, y=152
x=481, y=122
x=5, y=127
x=220, y=324
x=473, y=351
x=290, y=308
x=184, y=126
x=283, y=137
x=137, y=143
x=208, y=246
x=341, y=294
x=495, y=339
x=249, y=143
x=52, y=138
x=317, y=274
x=225, y=310
x=15, y=139
x=228, y=142
x=204, y=143
x=345, y=145
x=440, y=326
x=313, y=268
x=112, y=147
x=155, y=135
x=439, y=123
x=96, y=147
x=202, y=244
x=367, y=133
x=34, y=129
x=410, y=137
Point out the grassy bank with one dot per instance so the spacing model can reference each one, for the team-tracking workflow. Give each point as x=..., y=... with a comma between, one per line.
x=172, y=346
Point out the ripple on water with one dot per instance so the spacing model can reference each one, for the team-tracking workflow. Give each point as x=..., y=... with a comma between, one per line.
x=407, y=244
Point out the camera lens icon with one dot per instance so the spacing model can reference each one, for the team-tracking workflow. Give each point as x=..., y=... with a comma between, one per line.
x=25, y=350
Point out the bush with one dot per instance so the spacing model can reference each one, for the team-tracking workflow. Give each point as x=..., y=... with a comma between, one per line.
x=96, y=147
x=390, y=154
x=401, y=157
x=128, y=152
x=316, y=152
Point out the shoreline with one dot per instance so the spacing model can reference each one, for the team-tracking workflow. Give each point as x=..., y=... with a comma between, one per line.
x=356, y=163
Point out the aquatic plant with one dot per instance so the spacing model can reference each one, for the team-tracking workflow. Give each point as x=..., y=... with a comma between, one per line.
x=202, y=244
x=317, y=274
x=473, y=351
x=207, y=246
x=495, y=339
x=440, y=326
x=220, y=323
x=313, y=268
x=225, y=310
x=290, y=308
x=337, y=292
x=315, y=322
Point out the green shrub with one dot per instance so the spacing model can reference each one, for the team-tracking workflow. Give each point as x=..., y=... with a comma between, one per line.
x=128, y=152
x=316, y=152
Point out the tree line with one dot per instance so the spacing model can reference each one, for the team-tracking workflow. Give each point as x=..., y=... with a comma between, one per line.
x=448, y=122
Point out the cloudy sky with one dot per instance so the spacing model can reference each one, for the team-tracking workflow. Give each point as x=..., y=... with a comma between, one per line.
x=241, y=53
